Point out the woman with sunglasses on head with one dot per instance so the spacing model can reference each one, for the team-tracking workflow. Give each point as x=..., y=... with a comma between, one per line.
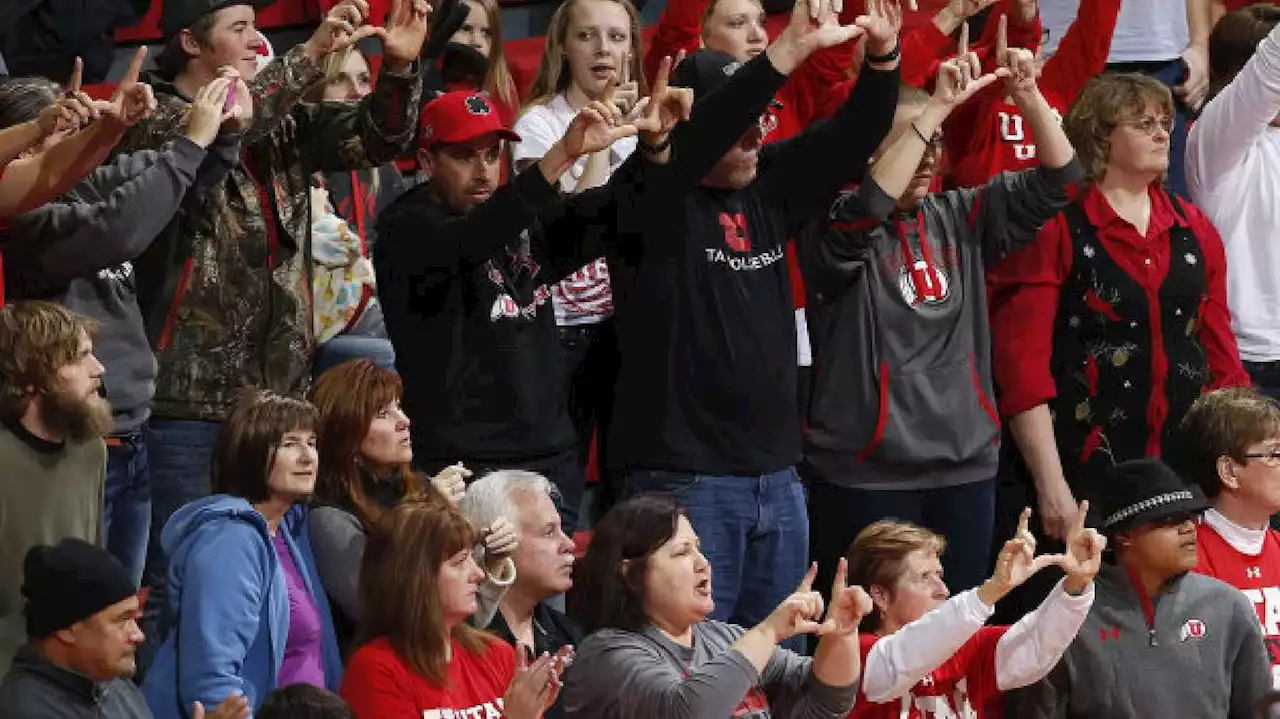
x=1115, y=320
x=1160, y=640
x=1230, y=446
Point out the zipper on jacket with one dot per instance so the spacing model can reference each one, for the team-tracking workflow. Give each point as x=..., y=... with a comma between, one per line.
x=1148, y=608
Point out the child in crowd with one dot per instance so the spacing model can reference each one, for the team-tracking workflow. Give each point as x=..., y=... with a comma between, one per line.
x=303, y=701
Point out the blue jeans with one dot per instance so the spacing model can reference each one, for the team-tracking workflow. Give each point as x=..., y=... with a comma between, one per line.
x=181, y=454
x=126, y=513
x=754, y=532
x=964, y=514
x=1169, y=73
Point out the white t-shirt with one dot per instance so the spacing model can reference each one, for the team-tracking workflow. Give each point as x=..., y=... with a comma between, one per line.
x=1233, y=172
x=585, y=297
x=1146, y=31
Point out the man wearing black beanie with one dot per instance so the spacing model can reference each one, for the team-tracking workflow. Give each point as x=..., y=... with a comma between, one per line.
x=81, y=609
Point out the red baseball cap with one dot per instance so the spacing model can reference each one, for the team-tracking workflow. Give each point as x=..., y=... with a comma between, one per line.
x=460, y=116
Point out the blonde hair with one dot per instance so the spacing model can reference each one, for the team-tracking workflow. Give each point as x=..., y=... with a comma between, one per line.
x=880, y=550
x=1107, y=102
x=554, y=74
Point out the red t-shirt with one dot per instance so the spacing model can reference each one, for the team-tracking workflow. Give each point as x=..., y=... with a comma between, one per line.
x=379, y=684
x=963, y=686
x=1257, y=577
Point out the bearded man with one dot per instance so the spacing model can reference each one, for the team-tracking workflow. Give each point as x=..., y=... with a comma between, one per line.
x=52, y=455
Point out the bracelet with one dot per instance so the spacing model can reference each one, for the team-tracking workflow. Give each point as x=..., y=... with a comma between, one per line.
x=654, y=149
x=887, y=57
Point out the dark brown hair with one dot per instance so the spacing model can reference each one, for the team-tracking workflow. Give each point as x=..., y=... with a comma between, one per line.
x=348, y=397
x=878, y=553
x=399, y=597
x=1223, y=423
x=608, y=585
x=1107, y=102
x=304, y=701
x=173, y=58
x=1234, y=40
x=36, y=340
x=246, y=446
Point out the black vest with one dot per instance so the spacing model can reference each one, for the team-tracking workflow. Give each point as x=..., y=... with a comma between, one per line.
x=1103, y=366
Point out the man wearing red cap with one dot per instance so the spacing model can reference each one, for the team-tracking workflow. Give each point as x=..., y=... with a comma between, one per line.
x=464, y=287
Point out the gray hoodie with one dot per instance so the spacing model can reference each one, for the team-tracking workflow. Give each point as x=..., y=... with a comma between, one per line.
x=644, y=675
x=902, y=393
x=1200, y=656
x=78, y=249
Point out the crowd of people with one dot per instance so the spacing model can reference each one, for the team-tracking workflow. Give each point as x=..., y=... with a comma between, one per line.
x=921, y=377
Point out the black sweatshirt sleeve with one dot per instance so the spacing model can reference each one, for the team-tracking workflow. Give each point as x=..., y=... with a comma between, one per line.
x=718, y=121
x=806, y=173
x=411, y=243
x=589, y=224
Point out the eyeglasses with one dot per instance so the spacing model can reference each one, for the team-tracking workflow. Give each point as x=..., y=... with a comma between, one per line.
x=1148, y=125
x=1271, y=458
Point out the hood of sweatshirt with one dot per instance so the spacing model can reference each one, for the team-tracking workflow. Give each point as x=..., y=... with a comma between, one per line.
x=199, y=524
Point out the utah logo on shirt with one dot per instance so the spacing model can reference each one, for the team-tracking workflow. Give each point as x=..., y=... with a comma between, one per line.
x=488, y=710
x=1193, y=629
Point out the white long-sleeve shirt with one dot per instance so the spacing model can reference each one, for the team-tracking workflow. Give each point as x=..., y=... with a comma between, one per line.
x=947, y=664
x=1233, y=167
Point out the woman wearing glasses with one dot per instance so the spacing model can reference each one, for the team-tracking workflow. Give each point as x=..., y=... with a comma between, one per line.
x=1115, y=320
x=1230, y=447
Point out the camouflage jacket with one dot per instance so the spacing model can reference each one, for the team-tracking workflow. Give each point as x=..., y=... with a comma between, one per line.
x=229, y=292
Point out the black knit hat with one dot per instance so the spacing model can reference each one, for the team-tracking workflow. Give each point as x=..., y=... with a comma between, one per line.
x=704, y=71
x=69, y=582
x=1142, y=491
x=178, y=15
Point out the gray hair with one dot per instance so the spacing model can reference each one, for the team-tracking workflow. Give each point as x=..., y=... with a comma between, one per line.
x=490, y=497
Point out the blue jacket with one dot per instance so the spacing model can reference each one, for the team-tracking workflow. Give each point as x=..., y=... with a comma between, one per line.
x=227, y=617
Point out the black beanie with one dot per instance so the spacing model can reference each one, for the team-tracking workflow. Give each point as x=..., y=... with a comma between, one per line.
x=69, y=582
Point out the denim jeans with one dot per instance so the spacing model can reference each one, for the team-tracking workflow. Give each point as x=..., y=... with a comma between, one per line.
x=591, y=368
x=181, y=453
x=126, y=515
x=1169, y=73
x=754, y=532
x=964, y=514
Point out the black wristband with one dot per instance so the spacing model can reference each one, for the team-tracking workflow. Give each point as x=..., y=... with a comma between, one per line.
x=887, y=57
x=654, y=149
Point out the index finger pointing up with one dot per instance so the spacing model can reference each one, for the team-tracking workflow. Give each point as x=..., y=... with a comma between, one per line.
x=1023, y=520
x=135, y=67
x=77, y=73
x=1084, y=509
x=963, y=47
x=842, y=574
x=806, y=584
x=1002, y=38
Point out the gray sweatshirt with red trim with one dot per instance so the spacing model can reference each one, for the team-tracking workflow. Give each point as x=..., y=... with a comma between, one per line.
x=1200, y=655
x=897, y=311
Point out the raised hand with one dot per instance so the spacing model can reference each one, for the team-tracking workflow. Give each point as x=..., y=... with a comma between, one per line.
x=597, y=126
x=1195, y=85
x=848, y=605
x=533, y=688
x=452, y=482
x=133, y=101
x=815, y=24
x=342, y=27
x=406, y=30
x=882, y=23
x=72, y=111
x=1018, y=62
x=666, y=106
x=500, y=541
x=233, y=707
x=960, y=78
x=798, y=613
x=1083, y=558
x=1018, y=561
x=208, y=111
x=965, y=9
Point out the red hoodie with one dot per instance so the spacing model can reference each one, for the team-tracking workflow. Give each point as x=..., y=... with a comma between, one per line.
x=987, y=135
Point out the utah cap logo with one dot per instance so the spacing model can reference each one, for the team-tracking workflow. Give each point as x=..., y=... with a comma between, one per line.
x=731, y=68
x=1193, y=629
x=477, y=105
